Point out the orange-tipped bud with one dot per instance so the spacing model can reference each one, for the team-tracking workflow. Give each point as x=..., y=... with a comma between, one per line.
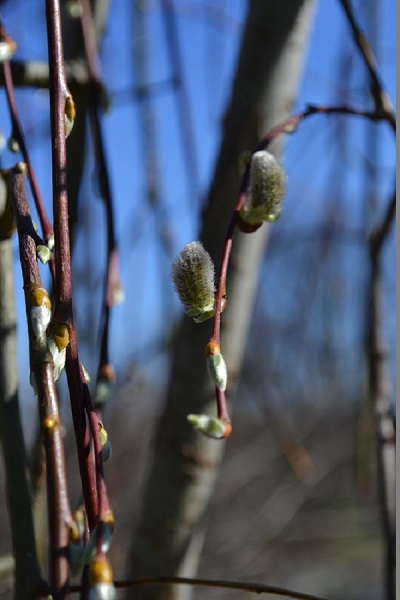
x=212, y=348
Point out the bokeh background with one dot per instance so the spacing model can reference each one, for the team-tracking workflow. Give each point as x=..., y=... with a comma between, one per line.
x=296, y=502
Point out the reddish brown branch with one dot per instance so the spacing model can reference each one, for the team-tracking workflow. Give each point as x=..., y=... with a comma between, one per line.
x=289, y=125
x=59, y=515
x=18, y=134
x=112, y=281
x=59, y=95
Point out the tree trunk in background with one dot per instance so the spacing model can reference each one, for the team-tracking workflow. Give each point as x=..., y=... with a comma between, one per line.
x=169, y=536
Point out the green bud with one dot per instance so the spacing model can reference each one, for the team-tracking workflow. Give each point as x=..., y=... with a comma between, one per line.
x=106, y=449
x=209, y=426
x=43, y=253
x=217, y=369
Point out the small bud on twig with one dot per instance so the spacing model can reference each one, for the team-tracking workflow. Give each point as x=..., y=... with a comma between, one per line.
x=216, y=365
x=101, y=580
x=69, y=115
x=7, y=49
x=106, y=449
x=211, y=427
x=40, y=311
x=43, y=253
x=57, y=341
x=193, y=277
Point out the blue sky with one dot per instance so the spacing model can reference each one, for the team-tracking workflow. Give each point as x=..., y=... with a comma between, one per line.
x=209, y=33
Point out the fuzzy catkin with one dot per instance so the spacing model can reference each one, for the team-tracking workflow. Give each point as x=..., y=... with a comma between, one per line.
x=267, y=189
x=193, y=277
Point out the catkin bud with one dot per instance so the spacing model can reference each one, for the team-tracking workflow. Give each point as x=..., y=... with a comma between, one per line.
x=266, y=191
x=211, y=427
x=193, y=277
x=217, y=369
x=7, y=49
x=40, y=311
x=57, y=342
x=106, y=449
x=69, y=115
x=101, y=580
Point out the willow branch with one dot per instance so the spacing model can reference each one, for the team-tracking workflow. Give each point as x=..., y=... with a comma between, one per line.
x=59, y=515
x=26, y=569
x=17, y=133
x=59, y=97
x=288, y=125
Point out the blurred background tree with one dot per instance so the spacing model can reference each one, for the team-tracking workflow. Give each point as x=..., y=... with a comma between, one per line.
x=296, y=502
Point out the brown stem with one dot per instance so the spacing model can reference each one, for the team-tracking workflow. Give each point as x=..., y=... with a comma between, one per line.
x=103, y=503
x=59, y=515
x=82, y=436
x=58, y=97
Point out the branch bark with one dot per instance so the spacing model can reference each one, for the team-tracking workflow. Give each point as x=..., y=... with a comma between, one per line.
x=27, y=572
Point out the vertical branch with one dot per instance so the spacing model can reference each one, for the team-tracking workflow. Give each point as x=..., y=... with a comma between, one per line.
x=380, y=397
x=42, y=371
x=105, y=373
x=61, y=103
x=59, y=97
x=27, y=572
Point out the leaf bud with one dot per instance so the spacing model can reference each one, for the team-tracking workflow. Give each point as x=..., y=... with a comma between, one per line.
x=40, y=311
x=106, y=449
x=57, y=342
x=217, y=369
x=7, y=49
x=211, y=427
x=43, y=253
x=69, y=115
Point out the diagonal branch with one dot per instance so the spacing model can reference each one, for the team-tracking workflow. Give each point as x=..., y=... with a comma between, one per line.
x=382, y=101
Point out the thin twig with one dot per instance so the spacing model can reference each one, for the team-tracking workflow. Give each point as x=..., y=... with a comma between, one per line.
x=382, y=101
x=17, y=133
x=105, y=372
x=255, y=588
